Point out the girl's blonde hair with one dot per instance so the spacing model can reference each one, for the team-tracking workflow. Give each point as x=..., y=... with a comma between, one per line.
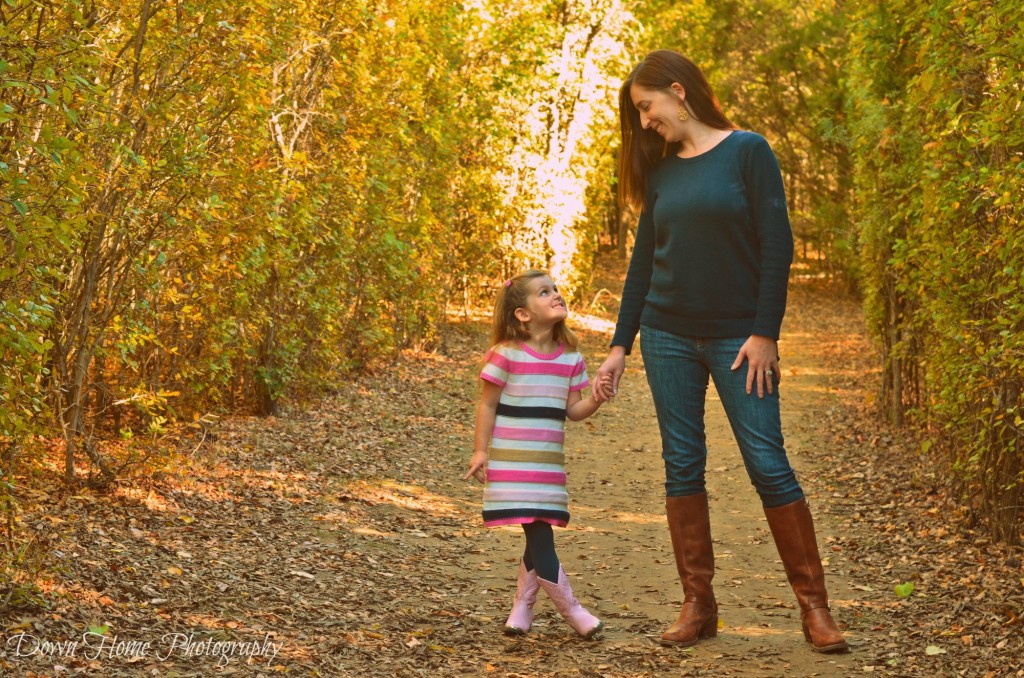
x=512, y=296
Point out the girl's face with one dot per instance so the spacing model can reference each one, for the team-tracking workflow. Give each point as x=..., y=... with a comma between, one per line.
x=659, y=109
x=544, y=305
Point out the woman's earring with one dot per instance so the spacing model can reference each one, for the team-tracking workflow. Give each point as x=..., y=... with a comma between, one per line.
x=683, y=114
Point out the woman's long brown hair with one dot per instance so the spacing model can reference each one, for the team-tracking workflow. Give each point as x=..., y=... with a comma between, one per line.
x=642, y=149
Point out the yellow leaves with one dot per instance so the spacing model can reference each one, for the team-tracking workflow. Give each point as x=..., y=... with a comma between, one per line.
x=22, y=625
x=175, y=571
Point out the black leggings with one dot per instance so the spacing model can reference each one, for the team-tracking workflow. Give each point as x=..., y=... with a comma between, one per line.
x=540, y=550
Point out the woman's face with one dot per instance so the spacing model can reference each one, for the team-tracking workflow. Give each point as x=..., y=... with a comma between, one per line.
x=659, y=109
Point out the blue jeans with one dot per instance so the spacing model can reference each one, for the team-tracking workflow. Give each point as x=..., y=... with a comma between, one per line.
x=677, y=372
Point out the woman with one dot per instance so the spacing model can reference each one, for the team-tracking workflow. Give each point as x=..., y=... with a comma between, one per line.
x=706, y=289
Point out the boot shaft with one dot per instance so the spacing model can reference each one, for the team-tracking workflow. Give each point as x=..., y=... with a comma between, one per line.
x=521, y=618
x=689, y=525
x=793, y=531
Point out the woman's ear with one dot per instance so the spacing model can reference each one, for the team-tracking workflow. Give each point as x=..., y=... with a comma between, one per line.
x=679, y=90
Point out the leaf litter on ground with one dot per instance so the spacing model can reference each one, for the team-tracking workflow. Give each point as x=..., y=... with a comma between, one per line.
x=340, y=534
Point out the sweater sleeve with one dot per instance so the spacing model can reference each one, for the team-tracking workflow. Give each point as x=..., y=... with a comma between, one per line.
x=767, y=198
x=638, y=281
x=496, y=366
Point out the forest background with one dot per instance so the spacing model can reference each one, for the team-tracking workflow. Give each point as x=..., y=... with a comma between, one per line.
x=211, y=207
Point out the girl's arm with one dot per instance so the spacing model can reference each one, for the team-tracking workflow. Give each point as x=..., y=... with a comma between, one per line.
x=486, y=413
x=578, y=408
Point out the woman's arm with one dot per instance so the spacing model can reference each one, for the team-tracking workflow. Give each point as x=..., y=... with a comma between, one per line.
x=767, y=197
x=638, y=282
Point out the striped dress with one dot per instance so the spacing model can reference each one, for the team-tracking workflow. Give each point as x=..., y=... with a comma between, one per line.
x=526, y=465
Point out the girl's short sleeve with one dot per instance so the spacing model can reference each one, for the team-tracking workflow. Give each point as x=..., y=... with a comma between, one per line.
x=496, y=367
x=578, y=381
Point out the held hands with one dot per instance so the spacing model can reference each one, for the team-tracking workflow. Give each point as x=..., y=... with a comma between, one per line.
x=477, y=466
x=603, y=389
x=762, y=356
x=609, y=373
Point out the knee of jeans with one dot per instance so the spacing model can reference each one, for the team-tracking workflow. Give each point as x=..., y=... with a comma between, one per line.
x=683, y=476
x=777, y=489
x=684, y=489
x=774, y=499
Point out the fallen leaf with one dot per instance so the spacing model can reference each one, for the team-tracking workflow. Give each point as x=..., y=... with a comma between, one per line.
x=904, y=590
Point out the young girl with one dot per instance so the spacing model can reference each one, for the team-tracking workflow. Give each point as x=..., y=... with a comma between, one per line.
x=531, y=383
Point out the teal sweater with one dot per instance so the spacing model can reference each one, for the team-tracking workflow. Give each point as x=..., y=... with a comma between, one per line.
x=713, y=247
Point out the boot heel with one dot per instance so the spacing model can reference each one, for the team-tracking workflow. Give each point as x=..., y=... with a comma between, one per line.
x=710, y=628
x=807, y=634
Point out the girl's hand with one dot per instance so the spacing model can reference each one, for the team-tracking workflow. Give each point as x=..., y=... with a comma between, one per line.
x=610, y=372
x=477, y=466
x=762, y=356
x=603, y=390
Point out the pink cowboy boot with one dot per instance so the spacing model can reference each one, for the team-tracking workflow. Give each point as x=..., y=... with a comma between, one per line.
x=565, y=602
x=521, y=618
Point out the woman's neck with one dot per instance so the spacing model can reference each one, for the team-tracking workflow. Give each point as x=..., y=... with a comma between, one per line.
x=702, y=139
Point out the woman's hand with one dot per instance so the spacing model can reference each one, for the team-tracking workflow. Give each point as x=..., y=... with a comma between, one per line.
x=610, y=372
x=605, y=389
x=762, y=356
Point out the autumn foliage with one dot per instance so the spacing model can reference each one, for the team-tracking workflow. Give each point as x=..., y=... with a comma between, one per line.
x=938, y=154
x=210, y=207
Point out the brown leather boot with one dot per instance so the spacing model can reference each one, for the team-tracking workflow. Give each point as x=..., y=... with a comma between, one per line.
x=793, y=531
x=690, y=527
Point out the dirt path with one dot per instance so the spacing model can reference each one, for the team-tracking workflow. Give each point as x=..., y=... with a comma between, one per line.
x=340, y=540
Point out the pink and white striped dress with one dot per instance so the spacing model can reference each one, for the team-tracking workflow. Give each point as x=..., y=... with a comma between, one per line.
x=526, y=464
